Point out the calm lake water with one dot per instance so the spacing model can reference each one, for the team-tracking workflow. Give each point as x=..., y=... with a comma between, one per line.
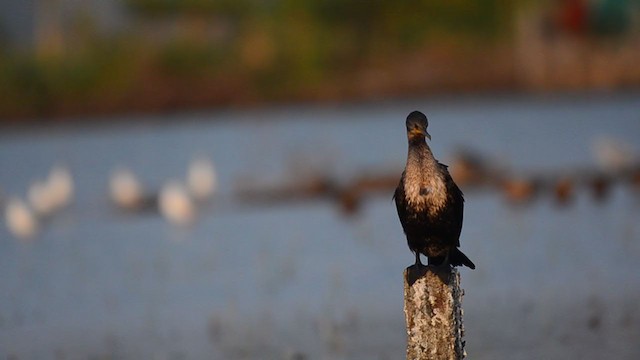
x=276, y=282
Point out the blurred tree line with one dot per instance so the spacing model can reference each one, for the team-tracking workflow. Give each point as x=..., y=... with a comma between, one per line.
x=178, y=54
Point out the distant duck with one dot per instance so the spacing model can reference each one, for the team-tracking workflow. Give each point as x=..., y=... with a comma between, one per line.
x=20, y=220
x=125, y=189
x=563, y=190
x=350, y=201
x=520, y=190
x=600, y=187
x=176, y=205
x=635, y=179
x=468, y=168
x=61, y=187
x=202, y=180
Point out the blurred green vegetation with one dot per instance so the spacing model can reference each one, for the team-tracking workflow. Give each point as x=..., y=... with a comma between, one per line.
x=251, y=49
x=193, y=53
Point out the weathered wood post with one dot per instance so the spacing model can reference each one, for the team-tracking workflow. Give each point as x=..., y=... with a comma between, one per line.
x=433, y=314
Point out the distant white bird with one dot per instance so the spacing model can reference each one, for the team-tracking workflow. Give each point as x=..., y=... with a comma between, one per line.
x=41, y=198
x=126, y=191
x=21, y=222
x=614, y=154
x=54, y=193
x=201, y=178
x=60, y=185
x=176, y=204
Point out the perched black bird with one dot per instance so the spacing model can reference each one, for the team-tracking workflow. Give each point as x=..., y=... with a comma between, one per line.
x=430, y=205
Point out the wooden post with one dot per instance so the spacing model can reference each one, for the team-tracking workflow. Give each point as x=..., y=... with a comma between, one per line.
x=433, y=314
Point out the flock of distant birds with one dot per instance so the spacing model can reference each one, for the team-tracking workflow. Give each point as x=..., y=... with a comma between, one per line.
x=180, y=201
x=617, y=163
x=177, y=201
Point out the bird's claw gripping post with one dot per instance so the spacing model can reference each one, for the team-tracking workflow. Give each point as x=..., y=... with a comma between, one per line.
x=416, y=271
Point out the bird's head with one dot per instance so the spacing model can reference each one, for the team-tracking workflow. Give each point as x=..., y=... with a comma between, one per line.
x=417, y=124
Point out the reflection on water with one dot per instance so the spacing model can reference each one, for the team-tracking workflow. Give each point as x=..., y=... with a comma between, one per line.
x=299, y=279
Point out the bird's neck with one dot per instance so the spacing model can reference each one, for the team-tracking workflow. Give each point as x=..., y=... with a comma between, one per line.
x=424, y=184
x=420, y=156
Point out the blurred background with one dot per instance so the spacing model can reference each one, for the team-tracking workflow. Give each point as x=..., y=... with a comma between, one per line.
x=210, y=179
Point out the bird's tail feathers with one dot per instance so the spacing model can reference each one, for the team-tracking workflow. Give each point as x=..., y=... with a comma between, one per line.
x=458, y=258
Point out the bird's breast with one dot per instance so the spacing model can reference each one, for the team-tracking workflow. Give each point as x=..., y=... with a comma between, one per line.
x=425, y=193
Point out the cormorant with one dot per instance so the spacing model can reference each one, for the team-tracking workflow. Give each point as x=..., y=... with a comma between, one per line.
x=430, y=205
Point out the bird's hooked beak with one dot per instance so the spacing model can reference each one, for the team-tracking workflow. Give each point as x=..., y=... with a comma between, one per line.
x=418, y=131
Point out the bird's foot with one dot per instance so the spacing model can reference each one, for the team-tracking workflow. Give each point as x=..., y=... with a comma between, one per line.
x=415, y=272
x=443, y=271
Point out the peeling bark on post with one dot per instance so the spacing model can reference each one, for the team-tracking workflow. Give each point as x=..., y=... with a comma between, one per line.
x=433, y=314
